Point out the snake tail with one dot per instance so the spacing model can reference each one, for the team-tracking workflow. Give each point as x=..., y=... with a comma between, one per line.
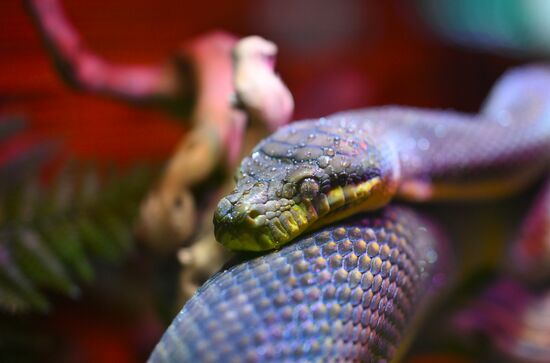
x=514, y=318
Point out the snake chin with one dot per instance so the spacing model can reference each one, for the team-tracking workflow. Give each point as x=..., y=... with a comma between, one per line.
x=260, y=230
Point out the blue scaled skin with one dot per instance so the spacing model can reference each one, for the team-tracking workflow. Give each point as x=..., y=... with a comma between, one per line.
x=346, y=292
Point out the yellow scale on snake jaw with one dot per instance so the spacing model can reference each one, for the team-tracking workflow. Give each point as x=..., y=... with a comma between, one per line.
x=339, y=203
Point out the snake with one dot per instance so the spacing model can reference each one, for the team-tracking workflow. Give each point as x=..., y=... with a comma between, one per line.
x=342, y=273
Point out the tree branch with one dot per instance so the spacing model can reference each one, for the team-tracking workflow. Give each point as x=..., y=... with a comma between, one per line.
x=84, y=69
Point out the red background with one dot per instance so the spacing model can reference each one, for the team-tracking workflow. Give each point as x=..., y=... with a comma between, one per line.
x=389, y=58
x=392, y=58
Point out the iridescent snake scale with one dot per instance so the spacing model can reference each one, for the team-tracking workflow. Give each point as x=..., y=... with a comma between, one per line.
x=352, y=289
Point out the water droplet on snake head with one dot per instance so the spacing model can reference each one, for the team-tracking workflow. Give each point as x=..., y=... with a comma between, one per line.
x=323, y=161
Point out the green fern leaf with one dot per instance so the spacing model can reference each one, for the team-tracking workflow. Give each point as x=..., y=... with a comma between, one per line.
x=51, y=234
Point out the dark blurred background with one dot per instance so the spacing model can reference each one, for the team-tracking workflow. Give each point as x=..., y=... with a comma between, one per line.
x=333, y=55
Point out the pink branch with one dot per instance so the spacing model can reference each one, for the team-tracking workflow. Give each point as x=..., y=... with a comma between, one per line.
x=84, y=69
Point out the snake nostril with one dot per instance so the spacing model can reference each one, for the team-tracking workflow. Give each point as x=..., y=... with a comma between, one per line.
x=254, y=213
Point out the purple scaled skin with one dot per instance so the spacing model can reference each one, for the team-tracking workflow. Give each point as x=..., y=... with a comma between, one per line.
x=349, y=291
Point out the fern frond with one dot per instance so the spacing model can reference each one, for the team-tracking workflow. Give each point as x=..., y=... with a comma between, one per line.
x=50, y=234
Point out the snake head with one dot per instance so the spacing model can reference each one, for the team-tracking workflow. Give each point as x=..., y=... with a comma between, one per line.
x=305, y=175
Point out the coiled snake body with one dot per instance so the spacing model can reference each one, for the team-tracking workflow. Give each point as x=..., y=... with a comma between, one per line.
x=350, y=290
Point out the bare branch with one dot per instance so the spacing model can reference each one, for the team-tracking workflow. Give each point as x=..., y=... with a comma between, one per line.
x=84, y=69
x=258, y=89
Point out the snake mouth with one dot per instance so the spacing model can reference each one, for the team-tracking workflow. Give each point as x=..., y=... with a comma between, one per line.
x=270, y=226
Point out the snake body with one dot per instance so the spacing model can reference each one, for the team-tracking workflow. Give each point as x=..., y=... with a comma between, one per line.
x=346, y=292
x=315, y=173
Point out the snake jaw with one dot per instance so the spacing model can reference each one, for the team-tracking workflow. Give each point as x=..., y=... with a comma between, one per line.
x=260, y=227
x=254, y=228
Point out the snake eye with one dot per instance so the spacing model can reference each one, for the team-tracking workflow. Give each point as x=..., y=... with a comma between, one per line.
x=309, y=188
x=288, y=191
